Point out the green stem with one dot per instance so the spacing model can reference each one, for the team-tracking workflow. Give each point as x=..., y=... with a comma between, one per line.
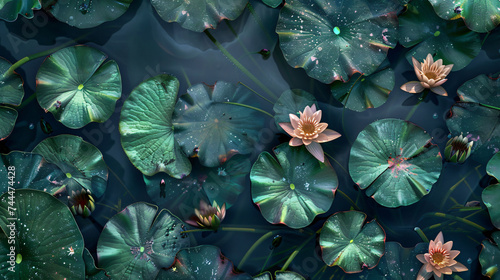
x=121, y=182
x=259, y=21
x=249, y=107
x=455, y=218
x=196, y=230
x=294, y=254
x=254, y=246
x=27, y=101
x=485, y=37
x=238, y=64
x=415, y=107
x=447, y=195
x=258, y=94
x=489, y=106
x=336, y=162
x=267, y=260
x=348, y=199
x=186, y=77
x=321, y=270
x=421, y=234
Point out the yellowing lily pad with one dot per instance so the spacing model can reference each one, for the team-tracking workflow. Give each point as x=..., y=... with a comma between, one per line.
x=395, y=162
x=9, y=9
x=78, y=87
x=293, y=189
x=489, y=258
x=333, y=39
x=347, y=241
x=11, y=87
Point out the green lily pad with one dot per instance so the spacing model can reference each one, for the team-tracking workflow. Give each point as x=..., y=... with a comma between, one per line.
x=334, y=39
x=293, y=189
x=86, y=14
x=136, y=243
x=493, y=166
x=361, y=93
x=78, y=87
x=476, y=115
x=146, y=129
x=200, y=263
x=292, y=101
x=80, y=161
x=395, y=162
x=272, y=3
x=279, y=275
x=347, y=241
x=12, y=90
x=207, y=127
x=9, y=9
x=479, y=15
x=450, y=41
x=491, y=197
x=48, y=243
x=399, y=263
x=200, y=14
x=30, y=171
x=91, y=271
x=490, y=256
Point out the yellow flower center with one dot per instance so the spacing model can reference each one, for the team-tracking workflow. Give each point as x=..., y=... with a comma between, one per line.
x=439, y=257
x=308, y=128
x=431, y=75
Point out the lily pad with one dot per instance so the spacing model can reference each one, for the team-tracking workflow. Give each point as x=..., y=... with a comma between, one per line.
x=30, y=171
x=292, y=101
x=399, y=263
x=334, y=39
x=47, y=239
x=476, y=115
x=213, y=130
x=9, y=9
x=279, y=275
x=199, y=15
x=80, y=161
x=86, y=14
x=147, y=131
x=78, y=87
x=395, y=162
x=12, y=90
x=200, y=263
x=347, y=241
x=491, y=196
x=272, y=3
x=364, y=92
x=91, y=271
x=490, y=256
x=136, y=243
x=293, y=189
x=479, y=15
x=493, y=166
x=450, y=41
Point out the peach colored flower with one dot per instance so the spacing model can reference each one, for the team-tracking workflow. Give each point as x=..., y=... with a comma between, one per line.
x=208, y=216
x=430, y=74
x=309, y=131
x=439, y=260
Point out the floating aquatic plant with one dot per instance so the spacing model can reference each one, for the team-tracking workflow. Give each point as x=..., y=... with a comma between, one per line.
x=490, y=256
x=11, y=86
x=491, y=194
x=431, y=75
x=208, y=216
x=292, y=101
x=81, y=202
x=10, y=9
x=92, y=272
x=458, y=149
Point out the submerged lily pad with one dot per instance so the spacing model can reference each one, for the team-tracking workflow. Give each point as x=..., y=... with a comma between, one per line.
x=293, y=189
x=272, y=3
x=198, y=15
x=479, y=15
x=80, y=161
x=9, y=9
x=476, y=115
x=489, y=258
x=334, y=39
x=361, y=93
x=12, y=90
x=207, y=127
x=279, y=275
x=86, y=14
x=395, y=162
x=91, y=271
x=399, y=263
x=78, y=87
x=347, y=241
x=292, y=101
x=136, y=243
x=47, y=239
x=146, y=129
x=450, y=41
x=200, y=263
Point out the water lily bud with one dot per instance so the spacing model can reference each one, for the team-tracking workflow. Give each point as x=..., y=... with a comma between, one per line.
x=458, y=149
x=81, y=203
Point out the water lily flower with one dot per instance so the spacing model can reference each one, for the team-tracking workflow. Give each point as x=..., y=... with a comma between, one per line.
x=208, y=216
x=430, y=74
x=81, y=203
x=439, y=260
x=309, y=131
x=458, y=149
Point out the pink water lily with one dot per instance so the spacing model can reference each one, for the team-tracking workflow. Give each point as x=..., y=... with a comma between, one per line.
x=208, y=216
x=430, y=74
x=309, y=131
x=439, y=260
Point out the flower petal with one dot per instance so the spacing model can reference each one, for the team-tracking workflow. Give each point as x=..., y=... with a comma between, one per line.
x=429, y=267
x=439, y=238
x=427, y=258
x=313, y=108
x=306, y=141
x=327, y=135
x=440, y=82
x=317, y=151
x=193, y=223
x=321, y=127
x=458, y=267
x=412, y=87
x=308, y=112
x=429, y=59
x=445, y=270
x=294, y=120
x=447, y=69
x=448, y=245
x=295, y=142
x=288, y=128
x=454, y=254
x=416, y=64
x=423, y=274
x=317, y=116
x=439, y=90
x=421, y=258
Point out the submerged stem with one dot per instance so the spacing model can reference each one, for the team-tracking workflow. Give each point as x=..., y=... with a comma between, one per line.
x=294, y=254
x=415, y=107
x=455, y=218
x=421, y=234
x=254, y=246
x=250, y=107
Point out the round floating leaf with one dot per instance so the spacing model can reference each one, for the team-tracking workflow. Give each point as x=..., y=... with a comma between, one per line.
x=351, y=244
x=476, y=115
x=293, y=189
x=490, y=256
x=399, y=263
x=361, y=93
x=199, y=15
x=334, y=39
x=493, y=167
x=201, y=263
x=395, y=162
x=292, y=102
x=91, y=271
x=48, y=242
x=272, y=3
x=207, y=127
x=279, y=275
x=147, y=131
x=31, y=171
x=450, y=41
x=12, y=90
x=78, y=87
x=86, y=14
x=136, y=243
x=491, y=197
x=479, y=15
x=9, y=9
x=80, y=161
